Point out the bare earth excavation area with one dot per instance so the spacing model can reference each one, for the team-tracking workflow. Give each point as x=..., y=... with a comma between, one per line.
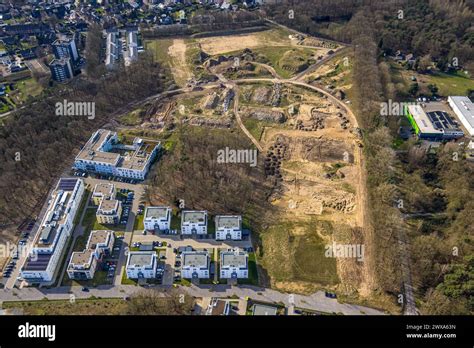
x=310, y=148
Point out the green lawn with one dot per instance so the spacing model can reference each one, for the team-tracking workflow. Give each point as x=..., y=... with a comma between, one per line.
x=452, y=84
x=255, y=127
x=279, y=57
x=253, y=274
x=25, y=88
x=138, y=225
x=126, y=281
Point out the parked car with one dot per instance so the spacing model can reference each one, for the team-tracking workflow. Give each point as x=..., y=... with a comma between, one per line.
x=85, y=289
x=330, y=294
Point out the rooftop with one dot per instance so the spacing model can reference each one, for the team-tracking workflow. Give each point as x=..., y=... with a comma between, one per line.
x=228, y=221
x=82, y=258
x=104, y=189
x=107, y=205
x=194, y=216
x=195, y=259
x=157, y=212
x=98, y=237
x=466, y=106
x=141, y=258
x=104, y=147
x=234, y=259
x=259, y=309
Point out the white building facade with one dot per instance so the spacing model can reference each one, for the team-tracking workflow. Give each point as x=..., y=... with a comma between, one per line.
x=157, y=218
x=54, y=232
x=141, y=264
x=234, y=264
x=228, y=227
x=193, y=222
x=195, y=264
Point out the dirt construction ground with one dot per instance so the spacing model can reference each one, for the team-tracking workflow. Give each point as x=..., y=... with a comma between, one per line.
x=317, y=200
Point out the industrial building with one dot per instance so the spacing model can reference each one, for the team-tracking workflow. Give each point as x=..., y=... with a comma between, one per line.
x=430, y=122
x=464, y=110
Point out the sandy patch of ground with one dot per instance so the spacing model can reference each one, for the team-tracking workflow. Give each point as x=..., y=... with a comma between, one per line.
x=179, y=66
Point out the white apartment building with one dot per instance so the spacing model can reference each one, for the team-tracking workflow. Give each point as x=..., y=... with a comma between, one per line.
x=193, y=222
x=195, y=264
x=104, y=154
x=157, y=218
x=83, y=264
x=141, y=264
x=228, y=227
x=54, y=231
x=234, y=264
x=103, y=191
x=109, y=211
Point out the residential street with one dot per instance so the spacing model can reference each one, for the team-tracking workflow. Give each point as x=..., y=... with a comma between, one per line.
x=317, y=301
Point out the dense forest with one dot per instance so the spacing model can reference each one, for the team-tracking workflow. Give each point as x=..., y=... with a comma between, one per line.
x=36, y=145
x=404, y=184
x=189, y=173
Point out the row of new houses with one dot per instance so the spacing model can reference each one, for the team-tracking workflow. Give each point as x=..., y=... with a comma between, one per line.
x=195, y=264
x=193, y=222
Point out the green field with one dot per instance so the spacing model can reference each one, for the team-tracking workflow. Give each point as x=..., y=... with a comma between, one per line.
x=293, y=251
x=452, y=84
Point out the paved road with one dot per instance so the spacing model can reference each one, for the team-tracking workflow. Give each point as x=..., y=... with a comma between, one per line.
x=317, y=301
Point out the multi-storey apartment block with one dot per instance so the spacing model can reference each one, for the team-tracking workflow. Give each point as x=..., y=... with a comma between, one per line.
x=104, y=154
x=109, y=211
x=195, y=264
x=83, y=264
x=194, y=222
x=55, y=229
x=141, y=264
x=157, y=218
x=103, y=191
x=234, y=264
x=228, y=227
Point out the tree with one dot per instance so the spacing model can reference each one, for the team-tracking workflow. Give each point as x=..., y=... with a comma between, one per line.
x=154, y=302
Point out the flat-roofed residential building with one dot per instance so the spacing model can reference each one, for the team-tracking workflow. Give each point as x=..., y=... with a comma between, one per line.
x=105, y=154
x=141, y=264
x=61, y=69
x=195, y=264
x=463, y=107
x=194, y=222
x=109, y=211
x=103, y=191
x=83, y=264
x=132, y=47
x=54, y=231
x=261, y=309
x=234, y=264
x=157, y=218
x=65, y=48
x=228, y=227
x=112, y=50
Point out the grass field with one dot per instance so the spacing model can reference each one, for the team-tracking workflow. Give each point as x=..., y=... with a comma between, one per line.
x=78, y=307
x=25, y=88
x=293, y=251
x=173, y=54
x=448, y=84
